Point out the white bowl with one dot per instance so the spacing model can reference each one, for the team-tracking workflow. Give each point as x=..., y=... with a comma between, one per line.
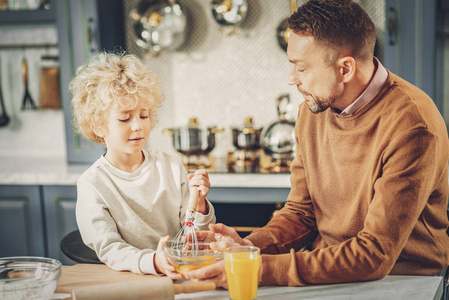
x=27, y=277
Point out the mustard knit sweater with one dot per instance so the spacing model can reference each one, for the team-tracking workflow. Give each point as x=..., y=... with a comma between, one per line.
x=369, y=194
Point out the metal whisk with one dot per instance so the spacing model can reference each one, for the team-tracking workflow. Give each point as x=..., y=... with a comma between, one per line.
x=186, y=239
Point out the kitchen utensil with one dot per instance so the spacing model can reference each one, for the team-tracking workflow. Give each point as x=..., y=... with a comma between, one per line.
x=186, y=237
x=184, y=261
x=82, y=275
x=193, y=140
x=156, y=288
x=27, y=102
x=27, y=277
x=50, y=96
x=229, y=14
x=248, y=137
x=279, y=137
x=159, y=25
x=4, y=118
x=283, y=31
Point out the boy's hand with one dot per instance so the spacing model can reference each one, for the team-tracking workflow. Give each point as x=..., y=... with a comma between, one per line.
x=200, y=179
x=161, y=263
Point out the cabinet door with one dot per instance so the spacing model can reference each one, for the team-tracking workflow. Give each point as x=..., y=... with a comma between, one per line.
x=246, y=209
x=82, y=33
x=410, y=43
x=59, y=202
x=21, y=223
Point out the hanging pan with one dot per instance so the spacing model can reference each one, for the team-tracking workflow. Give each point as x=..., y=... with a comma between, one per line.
x=283, y=31
x=159, y=25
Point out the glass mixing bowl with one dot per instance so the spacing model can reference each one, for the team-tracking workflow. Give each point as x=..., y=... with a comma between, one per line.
x=185, y=260
x=27, y=277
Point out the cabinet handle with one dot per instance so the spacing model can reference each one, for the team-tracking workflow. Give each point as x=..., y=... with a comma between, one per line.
x=392, y=26
x=91, y=35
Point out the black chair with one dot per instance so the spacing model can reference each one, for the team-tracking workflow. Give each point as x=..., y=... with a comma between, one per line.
x=73, y=247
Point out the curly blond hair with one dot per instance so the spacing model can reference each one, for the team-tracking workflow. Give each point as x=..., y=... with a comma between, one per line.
x=112, y=81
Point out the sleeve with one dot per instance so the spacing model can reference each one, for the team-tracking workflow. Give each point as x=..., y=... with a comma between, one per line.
x=99, y=232
x=201, y=221
x=408, y=175
x=294, y=225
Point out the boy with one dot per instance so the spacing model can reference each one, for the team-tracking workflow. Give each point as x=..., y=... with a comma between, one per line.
x=131, y=199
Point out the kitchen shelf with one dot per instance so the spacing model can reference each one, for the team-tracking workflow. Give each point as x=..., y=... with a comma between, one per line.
x=17, y=17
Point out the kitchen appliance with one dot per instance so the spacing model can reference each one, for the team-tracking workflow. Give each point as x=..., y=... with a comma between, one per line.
x=245, y=158
x=159, y=25
x=185, y=260
x=50, y=96
x=186, y=238
x=4, y=118
x=229, y=14
x=278, y=138
x=28, y=277
x=283, y=30
x=194, y=143
x=101, y=282
x=27, y=102
x=248, y=137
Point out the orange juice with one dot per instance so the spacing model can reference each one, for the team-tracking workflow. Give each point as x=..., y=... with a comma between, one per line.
x=242, y=272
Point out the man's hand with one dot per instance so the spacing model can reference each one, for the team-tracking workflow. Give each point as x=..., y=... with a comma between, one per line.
x=214, y=273
x=221, y=237
x=161, y=264
x=225, y=235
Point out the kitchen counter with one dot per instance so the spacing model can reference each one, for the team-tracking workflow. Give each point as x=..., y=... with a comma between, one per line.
x=390, y=287
x=56, y=171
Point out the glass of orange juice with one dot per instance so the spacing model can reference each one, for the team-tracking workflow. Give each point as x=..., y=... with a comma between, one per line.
x=242, y=271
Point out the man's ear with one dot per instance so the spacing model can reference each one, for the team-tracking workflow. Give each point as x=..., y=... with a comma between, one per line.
x=347, y=67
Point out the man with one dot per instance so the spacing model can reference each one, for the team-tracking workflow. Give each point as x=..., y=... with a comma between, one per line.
x=369, y=184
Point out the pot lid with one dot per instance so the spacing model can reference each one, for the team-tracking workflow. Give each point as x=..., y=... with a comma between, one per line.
x=248, y=126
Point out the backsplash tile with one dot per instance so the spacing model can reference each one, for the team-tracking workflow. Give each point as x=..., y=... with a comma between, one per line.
x=220, y=80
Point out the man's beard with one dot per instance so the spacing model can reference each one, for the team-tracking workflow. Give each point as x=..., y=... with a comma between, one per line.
x=316, y=105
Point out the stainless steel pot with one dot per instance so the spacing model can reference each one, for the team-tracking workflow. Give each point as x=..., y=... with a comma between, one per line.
x=279, y=137
x=193, y=140
x=229, y=14
x=159, y=25
x=283, y=31
x=248, y=137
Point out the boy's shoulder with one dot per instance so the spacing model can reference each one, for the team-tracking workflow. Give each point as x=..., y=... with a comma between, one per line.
x=92, y=172
x=164, y=157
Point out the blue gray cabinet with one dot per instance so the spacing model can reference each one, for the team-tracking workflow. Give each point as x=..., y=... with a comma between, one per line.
x=246, y=209
x=412, y=47
x=82, y=33
x=32, y=16
x=21, y=221
x=59, y=203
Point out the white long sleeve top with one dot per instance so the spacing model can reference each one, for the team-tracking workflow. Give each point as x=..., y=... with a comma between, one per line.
x=122, y=215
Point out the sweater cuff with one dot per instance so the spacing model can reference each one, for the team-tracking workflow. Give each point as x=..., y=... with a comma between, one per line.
x=280, y=269
x=202, y=221
x=146, y=264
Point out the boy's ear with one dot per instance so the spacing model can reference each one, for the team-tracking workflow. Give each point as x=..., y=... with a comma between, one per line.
x=98, y=130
